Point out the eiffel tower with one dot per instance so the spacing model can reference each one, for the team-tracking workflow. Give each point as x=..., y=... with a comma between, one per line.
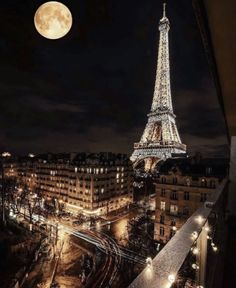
x=160, y=139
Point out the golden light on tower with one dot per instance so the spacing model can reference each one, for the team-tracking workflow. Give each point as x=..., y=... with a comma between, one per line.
x=53, y=20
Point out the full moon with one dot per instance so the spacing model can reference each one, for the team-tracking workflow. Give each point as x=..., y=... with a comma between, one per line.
x=53, y=20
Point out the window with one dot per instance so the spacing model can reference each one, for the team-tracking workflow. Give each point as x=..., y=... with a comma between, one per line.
x=203, y=182
x=188, y=182
x=163, y=192
x=173, y=222
x=174, y=209
x=186, y=195
x=162, y=219
x=163, y=206
x=174, y=180
x=102, y=190
x=174, y=195
x=203, y=197
x=162, y=231
x=208, y=170
x=163, y=180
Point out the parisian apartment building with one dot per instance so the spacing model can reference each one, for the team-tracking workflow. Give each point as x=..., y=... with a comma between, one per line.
x=89, y=183
x=182, y=186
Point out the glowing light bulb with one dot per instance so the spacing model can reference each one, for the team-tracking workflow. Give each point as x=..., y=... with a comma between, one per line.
x=207, y=228
x=171, y=278
x=194, y=235
x=195, y=266
x=149, y=262
x=195, y=250
x=215, y=248
x=199, y=219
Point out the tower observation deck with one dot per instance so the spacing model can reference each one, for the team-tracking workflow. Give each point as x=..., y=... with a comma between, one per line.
x=160, y=139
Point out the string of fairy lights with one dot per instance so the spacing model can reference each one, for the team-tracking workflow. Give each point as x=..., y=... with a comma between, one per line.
x=195, y=250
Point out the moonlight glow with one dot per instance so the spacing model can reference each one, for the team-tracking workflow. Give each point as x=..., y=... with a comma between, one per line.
x=53, y=20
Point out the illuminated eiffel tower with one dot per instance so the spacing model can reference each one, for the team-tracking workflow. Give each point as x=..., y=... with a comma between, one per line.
x=160, y=139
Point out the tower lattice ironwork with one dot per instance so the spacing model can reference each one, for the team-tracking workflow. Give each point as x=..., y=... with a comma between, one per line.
x=160, y=139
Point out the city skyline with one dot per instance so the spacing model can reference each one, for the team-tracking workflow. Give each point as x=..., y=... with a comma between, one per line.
x=92, y=89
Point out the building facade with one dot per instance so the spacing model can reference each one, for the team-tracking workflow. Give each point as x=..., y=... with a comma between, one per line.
x=94, y=184
x=179, y=192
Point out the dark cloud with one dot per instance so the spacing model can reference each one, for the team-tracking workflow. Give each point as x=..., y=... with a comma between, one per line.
x=92, y=89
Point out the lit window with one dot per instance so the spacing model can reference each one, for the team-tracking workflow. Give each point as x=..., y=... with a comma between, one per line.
x=163, y=205
x=76, y=169
x=102, y=190
x=117, y=175
x=174, y=209
x=188, y=182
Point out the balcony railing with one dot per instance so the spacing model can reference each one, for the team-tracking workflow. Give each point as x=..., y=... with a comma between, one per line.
x=161, y=144
x=166, y=266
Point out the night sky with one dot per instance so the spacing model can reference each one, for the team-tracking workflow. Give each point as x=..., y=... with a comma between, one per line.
x=91, y=90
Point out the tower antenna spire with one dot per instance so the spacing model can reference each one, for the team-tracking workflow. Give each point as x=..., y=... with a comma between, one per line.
x=164, y=9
